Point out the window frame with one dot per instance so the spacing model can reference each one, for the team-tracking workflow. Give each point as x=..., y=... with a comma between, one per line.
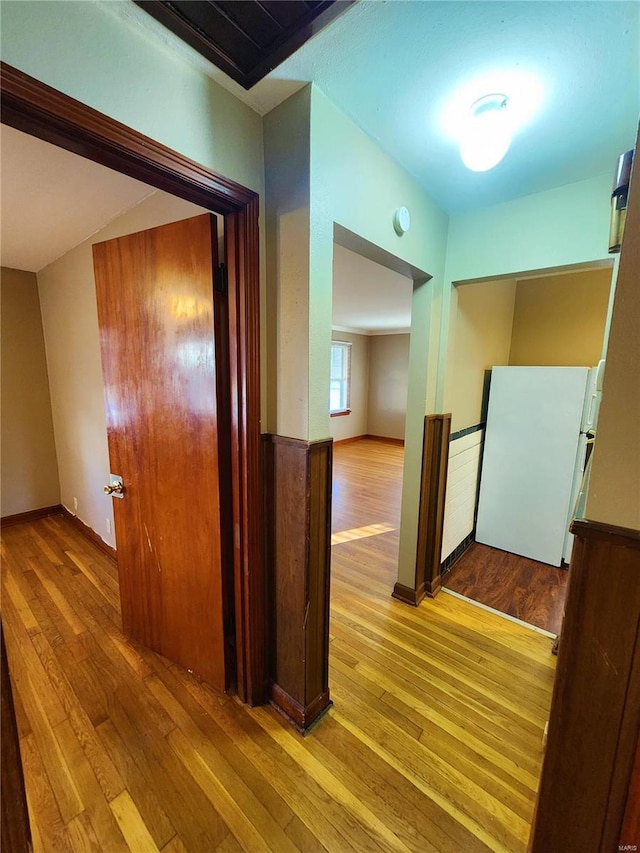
x=346, y=379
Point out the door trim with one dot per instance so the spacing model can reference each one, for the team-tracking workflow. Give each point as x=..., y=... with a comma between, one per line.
x=39, y=110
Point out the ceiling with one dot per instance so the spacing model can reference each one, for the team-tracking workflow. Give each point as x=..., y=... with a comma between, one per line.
x=247, y=39
x=367, y=297
x=401, y=69
x=53, y=200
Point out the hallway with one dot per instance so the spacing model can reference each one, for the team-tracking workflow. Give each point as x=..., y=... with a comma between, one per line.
x=434, y=742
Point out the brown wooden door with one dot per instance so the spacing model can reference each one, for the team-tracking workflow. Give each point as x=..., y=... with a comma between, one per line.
x=163, y=360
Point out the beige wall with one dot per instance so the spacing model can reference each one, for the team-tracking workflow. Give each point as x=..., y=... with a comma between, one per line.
x=388, y=385
x=70, y=321
x=614, y=488
x=560, y=320
x=355, y=423
x=29, y=466
x=482, y=339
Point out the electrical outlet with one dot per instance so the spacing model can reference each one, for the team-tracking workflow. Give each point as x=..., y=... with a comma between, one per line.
x=75, y=504
x=108, y=525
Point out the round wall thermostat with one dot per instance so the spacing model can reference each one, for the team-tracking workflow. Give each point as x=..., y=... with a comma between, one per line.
x=401, y=220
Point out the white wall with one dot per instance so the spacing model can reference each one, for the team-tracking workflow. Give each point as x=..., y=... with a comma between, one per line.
x=29, y=466
x=70, y=322
x=388, y=385
x=355, y=423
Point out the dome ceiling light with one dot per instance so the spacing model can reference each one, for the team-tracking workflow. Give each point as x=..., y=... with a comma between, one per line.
x=487, y=134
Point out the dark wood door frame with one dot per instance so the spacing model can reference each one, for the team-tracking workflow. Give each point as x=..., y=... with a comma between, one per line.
x=37, y=109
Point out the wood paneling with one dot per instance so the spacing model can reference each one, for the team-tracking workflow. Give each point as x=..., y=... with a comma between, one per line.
x=595, y=712
x=433, y=483
x=163, y=397
x=35, y=108
x=16, y=832
x=248, y=39
x=298, y=514
x=434, y=743
x=526, y=589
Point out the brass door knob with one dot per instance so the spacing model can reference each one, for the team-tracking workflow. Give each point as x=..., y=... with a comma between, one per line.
x=115, y=487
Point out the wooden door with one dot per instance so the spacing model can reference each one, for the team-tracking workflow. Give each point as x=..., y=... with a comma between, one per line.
x=162, y=335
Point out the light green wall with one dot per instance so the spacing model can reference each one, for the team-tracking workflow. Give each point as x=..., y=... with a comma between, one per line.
x=559, y=227
x=565, y=226
x=286, y=136
x=90, y=51
x=358, y=186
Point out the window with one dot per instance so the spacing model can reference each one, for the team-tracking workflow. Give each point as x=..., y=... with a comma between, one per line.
x=340, y=378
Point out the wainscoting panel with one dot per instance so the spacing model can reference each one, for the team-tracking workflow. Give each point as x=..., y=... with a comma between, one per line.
x=595, y=711
x=435, y=458
x=462, y=489
x=298, y=519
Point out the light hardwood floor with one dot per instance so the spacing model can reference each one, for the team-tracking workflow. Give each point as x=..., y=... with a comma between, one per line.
x=434, y=742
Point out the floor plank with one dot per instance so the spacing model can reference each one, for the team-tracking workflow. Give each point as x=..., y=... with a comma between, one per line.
x=433, y=745
x=531, y=591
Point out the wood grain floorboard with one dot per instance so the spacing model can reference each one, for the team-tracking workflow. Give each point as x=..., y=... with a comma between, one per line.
x=531, y=591
x=433, y=745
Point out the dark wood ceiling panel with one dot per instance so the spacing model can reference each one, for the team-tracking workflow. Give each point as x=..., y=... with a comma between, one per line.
x=210, y=20
x=245, y=38
x=287, y=13
x=254, y=20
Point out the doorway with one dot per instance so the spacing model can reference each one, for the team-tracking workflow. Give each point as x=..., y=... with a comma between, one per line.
x=371, y=326
x=34, y=108
x=529, y=326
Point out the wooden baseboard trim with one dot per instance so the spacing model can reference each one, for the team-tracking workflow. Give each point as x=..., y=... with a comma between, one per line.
x=386, y=439
x=432, y=587
x=89, y=533
x=408, y=595
x=31, y=515
x=301, y=717
x=349, y=440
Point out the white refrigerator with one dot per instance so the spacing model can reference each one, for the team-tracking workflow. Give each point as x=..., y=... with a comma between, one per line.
x=535, y=446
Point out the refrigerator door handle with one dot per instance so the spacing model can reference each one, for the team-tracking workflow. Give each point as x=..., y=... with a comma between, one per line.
x=592, y=408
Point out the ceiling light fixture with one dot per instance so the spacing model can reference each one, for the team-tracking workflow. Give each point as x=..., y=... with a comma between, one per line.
x=487, y=135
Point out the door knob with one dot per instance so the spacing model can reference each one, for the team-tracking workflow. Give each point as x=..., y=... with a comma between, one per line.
x=115, y=488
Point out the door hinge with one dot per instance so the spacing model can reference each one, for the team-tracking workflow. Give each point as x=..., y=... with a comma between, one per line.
x=220, y=279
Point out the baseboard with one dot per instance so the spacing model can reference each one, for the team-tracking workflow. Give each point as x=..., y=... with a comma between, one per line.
x=31, y=515
x=89, y=533
x=303, y=718
x=349, y=440
x=408, y=595
x=432, y=587
x=386, y=439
